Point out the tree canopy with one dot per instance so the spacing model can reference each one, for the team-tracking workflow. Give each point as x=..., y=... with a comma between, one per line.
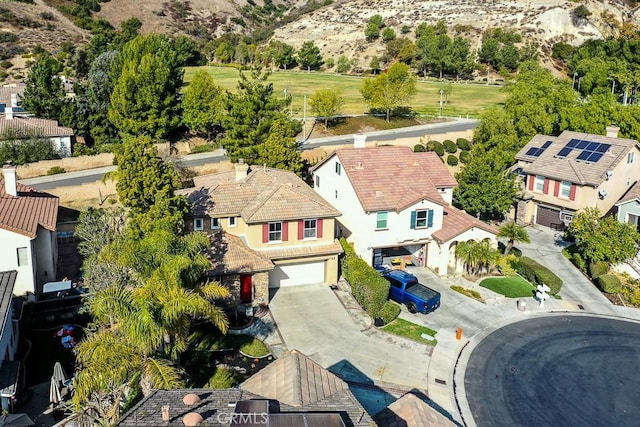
x=203, y=105
x=390, y=89
x=44, y=94
x=309, y=56
x=326, y=103
x=148, y=76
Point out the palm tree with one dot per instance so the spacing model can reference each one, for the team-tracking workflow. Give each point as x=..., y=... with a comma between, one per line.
x=476, y=256
x=514, y=233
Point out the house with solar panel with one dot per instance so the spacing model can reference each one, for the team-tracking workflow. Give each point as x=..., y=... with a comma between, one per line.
x=564, y=174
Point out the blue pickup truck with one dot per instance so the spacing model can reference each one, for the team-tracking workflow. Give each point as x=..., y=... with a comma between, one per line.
x=405, y=289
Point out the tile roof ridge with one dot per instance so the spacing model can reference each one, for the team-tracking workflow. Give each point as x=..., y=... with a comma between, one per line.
x=311, y=197
x=297, y=386
x=254, y=208
x=576, y=170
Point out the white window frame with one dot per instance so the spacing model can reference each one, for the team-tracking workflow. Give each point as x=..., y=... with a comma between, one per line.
x=338, y=168
x=310, y=229
x=275, y=232
x=22, y=256
x=565, y=189
x=378, y=220
x=232, y=221
x=539, y=183
x=421, y=222
x=215, y=224
x=317, y=181
x=197, y=221
x=630, y=157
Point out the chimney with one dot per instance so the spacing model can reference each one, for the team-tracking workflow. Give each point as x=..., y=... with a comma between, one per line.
x=166, y=414
x=359, y=140
x=8, y=112
x=14, y=99
x=612, y=131
x=10, y=186
x=241, y=169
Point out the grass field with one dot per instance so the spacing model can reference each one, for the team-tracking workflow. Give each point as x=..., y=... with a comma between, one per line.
x=510, y=287
x=465, y=99
x=406, y=329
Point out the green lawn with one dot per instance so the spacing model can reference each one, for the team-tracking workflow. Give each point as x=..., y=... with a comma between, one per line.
x=511, y=287
x=406, y=329
x=465, y=99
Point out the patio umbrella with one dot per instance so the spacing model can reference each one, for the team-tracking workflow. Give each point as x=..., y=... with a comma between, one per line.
x=58, y=374
x=54, y=392
x=16, y=420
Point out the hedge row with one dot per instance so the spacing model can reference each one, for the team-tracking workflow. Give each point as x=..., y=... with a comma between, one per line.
x=389, y=312
x=368, y=287
x=538, y=274
x=609, y=283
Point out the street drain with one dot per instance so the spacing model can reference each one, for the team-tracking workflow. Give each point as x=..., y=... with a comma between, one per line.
x=439, y=381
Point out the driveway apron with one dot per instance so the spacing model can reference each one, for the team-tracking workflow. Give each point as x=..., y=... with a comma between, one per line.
x=312, y=320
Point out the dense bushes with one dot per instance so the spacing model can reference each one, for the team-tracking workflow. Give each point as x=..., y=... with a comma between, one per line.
x=437, y=147
x=452, y=160
x=450, y=146
x=368, y=287
x=418, y=148
x=597, y=269
x=609, y=283
x=389, y=312
x=538, y=274
x=465, y=156
x=463, y=144
x=579, y=262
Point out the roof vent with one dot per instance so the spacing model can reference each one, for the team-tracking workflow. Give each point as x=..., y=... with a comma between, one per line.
x=603, y=193
x=191, y=399
x=192, y=419
x=166, y=413
x=359, y=166
x=379, y=193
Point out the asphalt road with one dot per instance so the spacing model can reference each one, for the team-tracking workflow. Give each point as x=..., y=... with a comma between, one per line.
x=559, y=370
x=92, y=175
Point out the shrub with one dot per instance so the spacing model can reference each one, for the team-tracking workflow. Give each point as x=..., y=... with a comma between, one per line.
x=452, y=160
x=465, y=156
x=368, y=287
x=390, y=310
x=56, y=170
x=437, y=147
x=224, y=378
x=505, y=264
x=463, y=144
x=579, y=262
x=609, y=283
x=597, y=269
x=538, y=274
x=418, y=148
x=450, y=146
x=6, y=64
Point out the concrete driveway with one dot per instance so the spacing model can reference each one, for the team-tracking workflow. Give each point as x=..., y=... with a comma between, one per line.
x=312, y=320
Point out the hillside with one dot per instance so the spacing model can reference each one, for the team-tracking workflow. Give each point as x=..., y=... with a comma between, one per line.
x=337, y=29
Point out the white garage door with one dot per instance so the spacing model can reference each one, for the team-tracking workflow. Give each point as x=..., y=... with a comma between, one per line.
x=297, y=274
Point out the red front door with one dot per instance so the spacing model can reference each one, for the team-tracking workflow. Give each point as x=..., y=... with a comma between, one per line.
x=246, y=287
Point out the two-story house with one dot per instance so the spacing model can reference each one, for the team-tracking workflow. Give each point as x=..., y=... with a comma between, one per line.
x=21, y=126
x=275, y=215
x=573, y=171
x=395, y=201
x=28, y=233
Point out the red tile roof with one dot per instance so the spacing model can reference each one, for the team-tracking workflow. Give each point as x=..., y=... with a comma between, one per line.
x=228, y=254
x=456, y=222
x=30, y=209
x=393, y=178
x=25, y=126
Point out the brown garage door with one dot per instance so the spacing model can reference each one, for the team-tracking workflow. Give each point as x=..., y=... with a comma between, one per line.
x=549, y=217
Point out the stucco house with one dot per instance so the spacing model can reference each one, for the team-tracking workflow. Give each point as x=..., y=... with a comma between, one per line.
x=572, y=171
x=28, y=233
x=629, y=206
x=274, y=216
x=22, y=126
x=397, y=202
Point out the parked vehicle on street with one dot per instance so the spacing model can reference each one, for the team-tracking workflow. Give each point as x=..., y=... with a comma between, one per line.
x=405, y=289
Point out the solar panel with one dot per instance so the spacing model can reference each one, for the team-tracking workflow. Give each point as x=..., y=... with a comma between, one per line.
x=582, y=144
x=564, y=152
x=547, y=145
x=584, y=155
x=572, y=143
x=603, y=148
x=592, y=146
x=532, y=152
x=594, y=157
